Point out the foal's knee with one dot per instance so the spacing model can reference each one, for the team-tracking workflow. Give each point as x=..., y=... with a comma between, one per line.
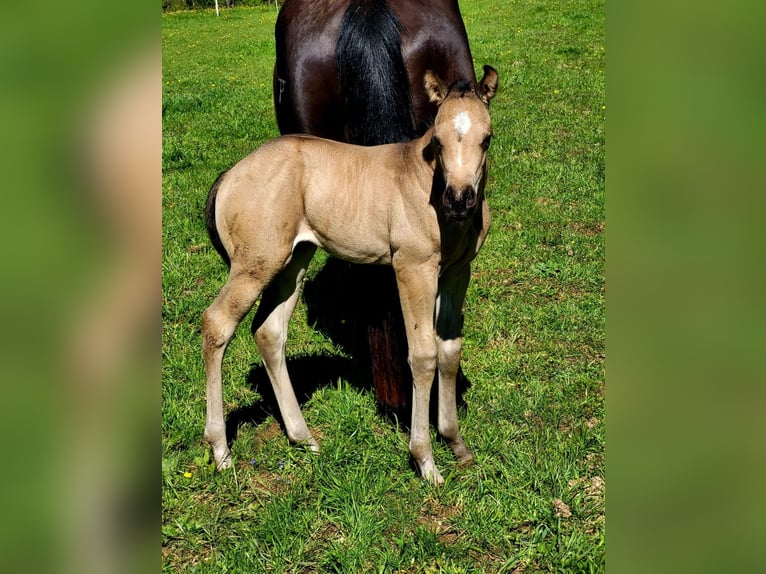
x=423, y=360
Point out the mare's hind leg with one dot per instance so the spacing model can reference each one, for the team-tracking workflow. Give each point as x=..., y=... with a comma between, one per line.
x=219, y=322
x=270, y=333
x=449, y=340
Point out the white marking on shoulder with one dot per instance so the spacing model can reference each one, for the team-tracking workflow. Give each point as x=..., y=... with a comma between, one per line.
x=462, y=123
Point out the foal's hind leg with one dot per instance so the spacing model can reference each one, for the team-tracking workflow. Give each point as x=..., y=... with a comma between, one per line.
x=449, y=340
x=219, y=322
x=270, y=333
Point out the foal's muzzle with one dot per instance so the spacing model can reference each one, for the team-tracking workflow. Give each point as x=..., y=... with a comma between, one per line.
x=459, y=202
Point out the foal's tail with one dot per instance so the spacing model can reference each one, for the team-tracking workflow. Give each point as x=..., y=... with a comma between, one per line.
x=212, y=230
x=373, y=78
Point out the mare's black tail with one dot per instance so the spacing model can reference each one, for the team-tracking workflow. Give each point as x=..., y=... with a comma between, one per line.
x=378, y=110
x=373, y=78
x=212, y=230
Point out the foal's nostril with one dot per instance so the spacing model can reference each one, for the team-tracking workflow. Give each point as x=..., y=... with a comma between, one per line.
x=469, y=194
x=451, y=197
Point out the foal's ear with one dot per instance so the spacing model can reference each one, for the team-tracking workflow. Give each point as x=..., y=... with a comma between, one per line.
x=488, y=84
x=435, y=88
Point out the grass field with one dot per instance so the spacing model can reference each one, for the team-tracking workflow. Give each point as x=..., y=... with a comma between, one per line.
x=533, y=500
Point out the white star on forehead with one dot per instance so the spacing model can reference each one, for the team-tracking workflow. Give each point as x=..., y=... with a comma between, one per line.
x=462, y=123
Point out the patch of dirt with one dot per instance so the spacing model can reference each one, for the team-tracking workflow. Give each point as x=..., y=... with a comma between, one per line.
x=268, y=433
x=593, y=460
x=180, y=557
x=546, y=201
x=587, y=228
x=596, y=487
x=326, y=532
x=565, y=427
x=266, y=483
x=437, y=518
x=592, y=491
x=593, y=487
x=561, y=509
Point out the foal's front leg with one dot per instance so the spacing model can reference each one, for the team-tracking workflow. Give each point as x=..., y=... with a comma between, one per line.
x=417, y=286
x=449, y=338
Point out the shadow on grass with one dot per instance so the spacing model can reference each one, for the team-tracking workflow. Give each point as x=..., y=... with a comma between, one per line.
x=307, y=374
x=310, y=373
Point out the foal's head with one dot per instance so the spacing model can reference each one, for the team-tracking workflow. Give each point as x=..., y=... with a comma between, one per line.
x=461, y=135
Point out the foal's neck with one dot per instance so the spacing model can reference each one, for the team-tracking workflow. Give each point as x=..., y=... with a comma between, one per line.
x=420, y=157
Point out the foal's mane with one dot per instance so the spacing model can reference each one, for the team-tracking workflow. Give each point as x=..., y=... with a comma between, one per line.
x=461, y=87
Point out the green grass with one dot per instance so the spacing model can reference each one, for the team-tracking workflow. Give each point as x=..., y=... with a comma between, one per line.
x=534, y=331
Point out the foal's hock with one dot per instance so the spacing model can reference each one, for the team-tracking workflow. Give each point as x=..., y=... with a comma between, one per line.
x=418, y=206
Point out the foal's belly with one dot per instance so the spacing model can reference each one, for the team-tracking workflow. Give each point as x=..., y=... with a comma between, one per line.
x=348, y=246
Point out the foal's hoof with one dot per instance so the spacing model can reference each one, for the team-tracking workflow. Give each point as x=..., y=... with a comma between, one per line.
x=462, y=453
x=430, y=473
x=221, y=454
x=222, y=463
x=435, y=477
x=312, y=445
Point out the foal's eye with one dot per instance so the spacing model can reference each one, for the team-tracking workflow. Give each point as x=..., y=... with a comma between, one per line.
x=486, y=142
x=436, y=143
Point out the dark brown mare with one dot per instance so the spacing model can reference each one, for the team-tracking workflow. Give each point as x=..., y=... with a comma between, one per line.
x=352, y=70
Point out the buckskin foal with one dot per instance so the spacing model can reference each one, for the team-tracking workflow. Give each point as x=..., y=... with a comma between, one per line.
x=418, y=206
